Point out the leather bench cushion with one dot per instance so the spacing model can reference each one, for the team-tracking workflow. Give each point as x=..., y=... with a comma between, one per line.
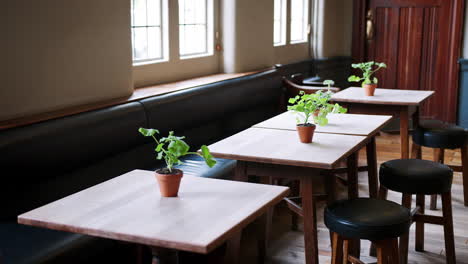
x=305, y=67
x=194, y=107
x=194, y=165
x=246, y=118
x=22, y=244
x=55, y=147
x=24, y=197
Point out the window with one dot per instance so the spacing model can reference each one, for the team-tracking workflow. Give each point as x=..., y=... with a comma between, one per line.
x=149, y=30
x=195, y=28
x=279, y=23
x=299, y=21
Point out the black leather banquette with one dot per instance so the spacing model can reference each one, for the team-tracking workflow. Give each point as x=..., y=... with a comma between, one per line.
x=46, y=161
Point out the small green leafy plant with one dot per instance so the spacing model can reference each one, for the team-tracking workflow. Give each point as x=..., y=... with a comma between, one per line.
x=328, y=83
x=314, y=107
x=368, y=69
x=172, y=147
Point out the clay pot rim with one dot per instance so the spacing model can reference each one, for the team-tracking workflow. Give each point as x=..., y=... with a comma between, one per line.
x=175, y=172
x=306, y=125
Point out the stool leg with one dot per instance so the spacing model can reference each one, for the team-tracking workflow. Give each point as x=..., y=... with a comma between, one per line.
x=404, y=239
x=416, y=151
x=345, y=252
x=383, y=192
x=448, y=227
x=382, y=252
x=394, y=257
x=337, y=249
x=438, y=157
x=464, y=156
x=372, y=168
x=420, y=225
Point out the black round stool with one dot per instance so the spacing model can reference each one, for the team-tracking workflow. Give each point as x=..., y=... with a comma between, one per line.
x=421, y=177
x=379, y=221
x=440, y=136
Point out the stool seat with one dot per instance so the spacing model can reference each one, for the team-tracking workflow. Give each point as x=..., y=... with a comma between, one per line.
x=367, y=218
x=415, y=176
x=436, y=134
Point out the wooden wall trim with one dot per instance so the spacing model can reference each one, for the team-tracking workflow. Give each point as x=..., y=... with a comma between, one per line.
x=359, y=30
x=138, y=94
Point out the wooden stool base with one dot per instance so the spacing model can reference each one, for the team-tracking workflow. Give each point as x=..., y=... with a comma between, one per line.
x=387, y=251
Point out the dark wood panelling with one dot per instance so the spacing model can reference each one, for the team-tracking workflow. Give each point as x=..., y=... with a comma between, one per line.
x=420, y=42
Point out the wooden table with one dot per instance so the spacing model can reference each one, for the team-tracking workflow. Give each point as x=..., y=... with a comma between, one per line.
x=207, y=213
x=346, y=124
x=398, y=103
x=278, y=153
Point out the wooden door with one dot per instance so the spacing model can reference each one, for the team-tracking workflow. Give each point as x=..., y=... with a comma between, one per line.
x=420, y=42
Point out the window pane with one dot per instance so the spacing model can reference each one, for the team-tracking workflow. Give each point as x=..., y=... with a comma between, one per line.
x=141, y=45
x=139, y=12
x=299, y=20
x=154, y=12
x=193, y=27
x=154, y=42
x=147, y=37
x=279, y=22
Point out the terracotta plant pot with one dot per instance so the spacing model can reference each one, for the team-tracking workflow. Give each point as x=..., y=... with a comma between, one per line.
x=369, y=89
x=169, y=183
x=306, y=132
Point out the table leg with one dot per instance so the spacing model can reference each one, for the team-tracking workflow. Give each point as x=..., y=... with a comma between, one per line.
x=372, y=168
x=310, y=221
x=404, y=139
x=264, y=226
x=240, y=173
x=353, y=192
x=416, y=149
x=163, y=256
x=233, y=249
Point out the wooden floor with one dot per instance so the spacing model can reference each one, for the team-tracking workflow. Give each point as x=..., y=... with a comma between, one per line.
x=287, y=247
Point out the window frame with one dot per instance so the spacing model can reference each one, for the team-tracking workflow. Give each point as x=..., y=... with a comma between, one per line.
x=209, y=27
x=282, y=23
x=164, y=33
x=305, y=23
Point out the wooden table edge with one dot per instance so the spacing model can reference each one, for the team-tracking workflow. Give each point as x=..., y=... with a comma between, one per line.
x=249, y=219
x=270, y=161
x=373, y=133
x=201, y=249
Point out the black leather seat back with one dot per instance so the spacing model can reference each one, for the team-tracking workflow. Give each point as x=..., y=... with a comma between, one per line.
x=204, y=114
x=306, y=68
x=34, y=155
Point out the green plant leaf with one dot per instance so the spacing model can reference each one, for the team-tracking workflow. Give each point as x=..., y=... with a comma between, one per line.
x=328, y=82
x=178, y=147
x=159, y=147
x=375, y=80
x=205, y=153
x=148, y=132
x=160, y=155
x=354, y=78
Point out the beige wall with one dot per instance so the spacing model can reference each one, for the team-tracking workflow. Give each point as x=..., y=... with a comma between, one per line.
x=176, y=68
x=250, y=45
x=60, y=53
x=333, y=30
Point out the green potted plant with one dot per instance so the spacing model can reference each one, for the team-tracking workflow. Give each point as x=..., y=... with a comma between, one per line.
x=313, y=110
x=368, y=69
x=171, y=148
x=328, y=83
